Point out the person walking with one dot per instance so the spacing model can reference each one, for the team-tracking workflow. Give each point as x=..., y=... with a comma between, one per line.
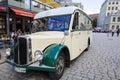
x=118, y=31
x=113, y=31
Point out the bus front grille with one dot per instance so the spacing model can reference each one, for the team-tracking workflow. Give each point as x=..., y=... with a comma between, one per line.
x=20, y=55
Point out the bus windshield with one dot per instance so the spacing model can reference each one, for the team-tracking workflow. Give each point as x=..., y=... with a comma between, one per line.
x=54, y=23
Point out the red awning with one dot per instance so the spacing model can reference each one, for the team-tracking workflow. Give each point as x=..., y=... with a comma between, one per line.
x=23, y=12
x=3, y=8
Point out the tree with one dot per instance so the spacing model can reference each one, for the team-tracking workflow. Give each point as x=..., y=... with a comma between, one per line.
x=94, y=23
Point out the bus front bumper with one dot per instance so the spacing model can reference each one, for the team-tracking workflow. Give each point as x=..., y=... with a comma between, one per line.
x=33, y=66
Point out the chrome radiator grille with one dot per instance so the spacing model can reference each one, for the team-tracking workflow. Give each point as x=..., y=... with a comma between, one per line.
x=20, y=55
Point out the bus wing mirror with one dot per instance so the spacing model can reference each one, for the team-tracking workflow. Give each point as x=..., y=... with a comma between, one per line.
x=66, y=33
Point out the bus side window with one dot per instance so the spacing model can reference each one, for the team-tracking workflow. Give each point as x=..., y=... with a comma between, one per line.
x=75, y=21
x=82, y=27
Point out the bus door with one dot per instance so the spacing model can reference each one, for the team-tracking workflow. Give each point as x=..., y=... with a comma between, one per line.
x=75, y=36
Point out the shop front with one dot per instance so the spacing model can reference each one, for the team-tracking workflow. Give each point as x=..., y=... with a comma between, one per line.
x=3, y=26
x=20, y=20
x=3, y=13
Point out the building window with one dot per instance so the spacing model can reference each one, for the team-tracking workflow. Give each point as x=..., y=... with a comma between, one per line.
x=112, y=8
x=109, y=3
x=35, y=4
x=117, y=27
x=116, y=8
x=108, y=13
x=108, y=8
x=114, y=19
x=113, y=26
x=118, y=19
x=116, y=2
x=113, y=3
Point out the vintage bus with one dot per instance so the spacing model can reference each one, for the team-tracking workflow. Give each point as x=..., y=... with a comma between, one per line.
x=58, y=36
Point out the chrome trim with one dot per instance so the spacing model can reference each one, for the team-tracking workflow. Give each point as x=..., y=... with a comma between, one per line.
x=28, y=49
x=11, y=62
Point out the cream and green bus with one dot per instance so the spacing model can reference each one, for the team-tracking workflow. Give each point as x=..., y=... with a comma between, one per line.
x=58, y=36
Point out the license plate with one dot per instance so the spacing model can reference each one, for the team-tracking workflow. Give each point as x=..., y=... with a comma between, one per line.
x=22, y=70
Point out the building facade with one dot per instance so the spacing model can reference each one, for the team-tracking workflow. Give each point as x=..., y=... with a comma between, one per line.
x=93, y=16
x=109, y=15
x=73, y=4
x=19, y=14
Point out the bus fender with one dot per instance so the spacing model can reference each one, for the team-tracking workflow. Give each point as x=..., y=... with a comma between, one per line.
x=51, y=53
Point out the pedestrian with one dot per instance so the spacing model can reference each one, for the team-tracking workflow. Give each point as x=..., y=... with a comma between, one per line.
x=113, y=31
x=12, y=35
x=118, y=31
x=19, y=32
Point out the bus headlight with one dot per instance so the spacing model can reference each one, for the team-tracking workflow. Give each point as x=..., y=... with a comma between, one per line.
x=38, y=55
x=8, y=51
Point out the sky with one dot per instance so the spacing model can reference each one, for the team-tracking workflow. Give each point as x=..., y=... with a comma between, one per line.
x=91, y=6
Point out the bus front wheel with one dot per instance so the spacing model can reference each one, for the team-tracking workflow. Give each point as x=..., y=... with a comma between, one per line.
x=59, y=67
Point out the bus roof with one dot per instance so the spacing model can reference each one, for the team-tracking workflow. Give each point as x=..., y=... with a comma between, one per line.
x=57, y=11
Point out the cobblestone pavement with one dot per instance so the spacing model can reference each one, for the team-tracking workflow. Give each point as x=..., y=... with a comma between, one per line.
x=101, y=62
x=2, y=55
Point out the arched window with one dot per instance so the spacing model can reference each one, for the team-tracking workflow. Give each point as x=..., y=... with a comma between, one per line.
x=116, y=2
x=109, y=3
x=117, y=27
x=113, y=26
x=113, y=3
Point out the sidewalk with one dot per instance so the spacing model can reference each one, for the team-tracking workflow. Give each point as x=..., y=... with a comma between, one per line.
x=2, y=55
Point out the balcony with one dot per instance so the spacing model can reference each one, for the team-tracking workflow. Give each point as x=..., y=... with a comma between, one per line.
x=19, y=4
x=37, y=6
x=26, y=5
